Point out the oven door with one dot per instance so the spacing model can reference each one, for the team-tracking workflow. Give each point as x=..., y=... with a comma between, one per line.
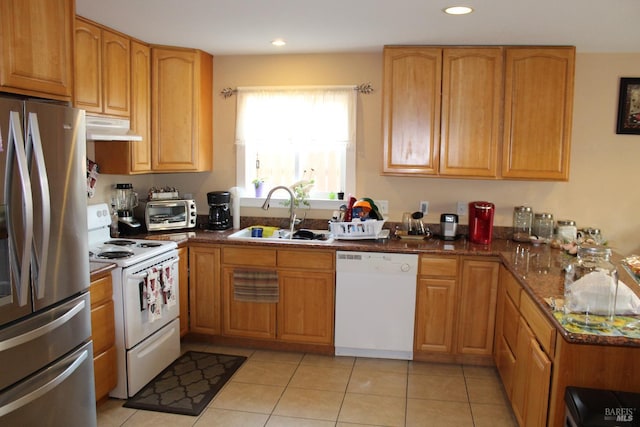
x=150, y=294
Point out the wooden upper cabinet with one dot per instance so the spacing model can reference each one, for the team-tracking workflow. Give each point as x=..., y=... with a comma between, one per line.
x=411, y=110
x=478, y=112
x=140, y=107
x=36, y=55
x=88, y=77
x=103, y=70
x=132, y=157
x=182, y=130
x=471, y=111
x=538, y=112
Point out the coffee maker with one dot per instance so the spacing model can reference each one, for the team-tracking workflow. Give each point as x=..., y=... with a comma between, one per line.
x=124, y=201
x=219, y=210
x=481, y=222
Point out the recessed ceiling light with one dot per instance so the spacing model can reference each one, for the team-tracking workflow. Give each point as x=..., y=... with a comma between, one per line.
x=278, y=42
x=457, y=10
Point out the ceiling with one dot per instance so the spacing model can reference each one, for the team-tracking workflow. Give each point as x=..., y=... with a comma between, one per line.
x=242, y=27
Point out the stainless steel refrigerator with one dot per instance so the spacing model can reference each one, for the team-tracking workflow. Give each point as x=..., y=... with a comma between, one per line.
x=46, y=354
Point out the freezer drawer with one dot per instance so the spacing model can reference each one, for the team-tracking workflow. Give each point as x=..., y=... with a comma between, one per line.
x=28, y=346
x=44, y=399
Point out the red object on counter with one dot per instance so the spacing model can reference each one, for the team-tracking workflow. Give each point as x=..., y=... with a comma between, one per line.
x=481, y=222
x=348, y=215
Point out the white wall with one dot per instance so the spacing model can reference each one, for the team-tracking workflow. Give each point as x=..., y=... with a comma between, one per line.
x=604, y=186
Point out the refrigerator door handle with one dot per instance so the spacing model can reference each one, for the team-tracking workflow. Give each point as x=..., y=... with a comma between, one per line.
x=42, y=330
x=19, y=267
x=39, y=390
x=35, y=155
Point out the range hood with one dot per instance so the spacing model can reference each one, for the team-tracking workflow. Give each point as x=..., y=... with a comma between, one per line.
x=110, y=129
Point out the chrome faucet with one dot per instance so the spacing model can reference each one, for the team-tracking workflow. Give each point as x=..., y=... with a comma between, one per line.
x=292, y=214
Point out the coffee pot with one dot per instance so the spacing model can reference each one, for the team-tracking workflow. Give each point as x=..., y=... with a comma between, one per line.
x=219, y=211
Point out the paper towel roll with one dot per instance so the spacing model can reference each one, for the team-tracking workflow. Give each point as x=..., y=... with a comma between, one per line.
x=235, y=206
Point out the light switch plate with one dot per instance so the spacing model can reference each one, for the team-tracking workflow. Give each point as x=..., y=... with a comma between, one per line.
x=424, y=207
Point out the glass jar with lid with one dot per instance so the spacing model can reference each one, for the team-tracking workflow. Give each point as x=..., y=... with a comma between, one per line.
x=566, y=230
x=543, y=226
x=522, y=221
x=590, y=287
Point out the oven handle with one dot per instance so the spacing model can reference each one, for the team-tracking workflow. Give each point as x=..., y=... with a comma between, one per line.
x=141, y=285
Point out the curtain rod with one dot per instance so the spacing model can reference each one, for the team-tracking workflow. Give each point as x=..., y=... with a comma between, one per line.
x=364, y=88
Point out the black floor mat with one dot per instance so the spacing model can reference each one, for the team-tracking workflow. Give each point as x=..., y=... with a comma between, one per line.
x=188, y=384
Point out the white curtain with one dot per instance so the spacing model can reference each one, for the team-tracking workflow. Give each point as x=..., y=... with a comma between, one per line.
x=296, y=117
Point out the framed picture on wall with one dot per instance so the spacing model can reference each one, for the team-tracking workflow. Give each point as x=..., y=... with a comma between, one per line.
x=629, y=106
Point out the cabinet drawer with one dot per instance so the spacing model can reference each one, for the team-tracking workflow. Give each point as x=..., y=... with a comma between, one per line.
x=100, y=290
x=249, y=256
x=104, y=372
x=513, y=288
x=322, y=260
x=544, y=331
x=438, y=266
x=510, y=323
x=102, y=327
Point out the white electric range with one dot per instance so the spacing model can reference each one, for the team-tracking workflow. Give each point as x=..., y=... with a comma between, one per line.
x=145, y=296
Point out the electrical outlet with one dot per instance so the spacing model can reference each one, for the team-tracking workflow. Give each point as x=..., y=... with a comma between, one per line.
x=424, y=207
x=383, y=205
x=463, y=208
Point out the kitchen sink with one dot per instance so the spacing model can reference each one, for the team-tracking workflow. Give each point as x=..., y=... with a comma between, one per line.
x=281, y=235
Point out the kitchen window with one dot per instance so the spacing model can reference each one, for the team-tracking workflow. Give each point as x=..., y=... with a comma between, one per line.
x=285, y=134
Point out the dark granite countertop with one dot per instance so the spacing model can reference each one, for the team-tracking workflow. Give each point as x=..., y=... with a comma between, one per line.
x=539, y=269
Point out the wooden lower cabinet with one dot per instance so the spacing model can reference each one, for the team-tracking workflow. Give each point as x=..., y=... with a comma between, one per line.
x=103, y=335
x=436, y=296
x=476, y=319
x=455, y=308
x=304, y=312
x=204, y=289
x=245, y=319
x=530, y=393
x=183, y=289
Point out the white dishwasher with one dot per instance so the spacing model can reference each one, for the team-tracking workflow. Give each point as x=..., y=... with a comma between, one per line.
x=375, y=304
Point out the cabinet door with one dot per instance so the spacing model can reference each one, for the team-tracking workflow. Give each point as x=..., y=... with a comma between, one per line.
x=538, y=112
x=411, y=110
x=435, y=314
x=127, y=157
x=204, y=289
x=116, y=75
x=181, y=110
x=36, y=37
x=530, y=396
x=88, y=67
x=471, y=111
x=478, y=294
x=141, y=106
x=183, y=289
x=246, y=319
x=305, y=312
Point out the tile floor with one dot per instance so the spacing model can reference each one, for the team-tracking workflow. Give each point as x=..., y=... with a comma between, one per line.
x=278, y=389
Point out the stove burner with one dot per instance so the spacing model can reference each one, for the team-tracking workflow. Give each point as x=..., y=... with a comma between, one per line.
x=115, y=254
x=120, y=242
x=149, y=244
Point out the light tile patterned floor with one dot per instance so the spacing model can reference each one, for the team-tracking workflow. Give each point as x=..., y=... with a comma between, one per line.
x=278, y=389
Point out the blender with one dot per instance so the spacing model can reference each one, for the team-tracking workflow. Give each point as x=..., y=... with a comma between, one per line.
x=124, y=201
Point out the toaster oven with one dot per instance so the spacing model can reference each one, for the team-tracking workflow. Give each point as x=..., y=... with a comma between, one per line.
x=173, y=214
